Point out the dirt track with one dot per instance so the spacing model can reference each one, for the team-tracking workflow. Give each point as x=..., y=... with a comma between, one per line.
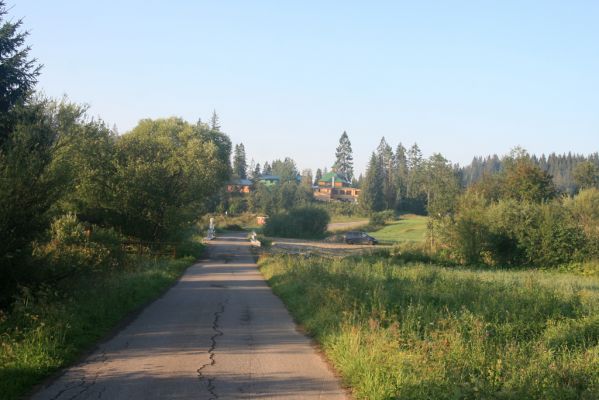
x=218, y=333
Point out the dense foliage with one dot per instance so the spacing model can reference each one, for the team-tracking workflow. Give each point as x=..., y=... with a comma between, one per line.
x=306, y=222
x=569, y=172
x=58, y=165
x=404, y=181
x=515, y=218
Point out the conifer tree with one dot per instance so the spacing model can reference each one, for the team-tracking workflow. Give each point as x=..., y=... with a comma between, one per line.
x=372, y=197
x=317, y=176
x=400, y=174
x=344, y=161
x=266, y=170
x=215, y=122
x=414, y=162
x=386, y=160
x=239, y=162
x=256, y=172
x=18, y=72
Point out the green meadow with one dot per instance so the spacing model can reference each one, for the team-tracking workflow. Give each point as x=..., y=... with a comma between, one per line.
x=414, y=331
x=409, y=228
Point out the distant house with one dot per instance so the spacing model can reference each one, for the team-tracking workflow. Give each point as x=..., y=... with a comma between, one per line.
x=239, y=186
x=269, y=180
x=334, y=187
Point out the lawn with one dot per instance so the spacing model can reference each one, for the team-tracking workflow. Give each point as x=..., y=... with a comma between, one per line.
x=48, y=329
x=410, y=228
x=414, y=331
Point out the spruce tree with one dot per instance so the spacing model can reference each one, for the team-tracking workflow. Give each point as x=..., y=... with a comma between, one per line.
x=344, y=164
x=400, y=174
x=414, y=162
x=215, y=122
x=266, y=170
x=372, y=197
x=239, y=162
x=18, y=72
x=317, y=176
x=256, y=172
x=386, y=160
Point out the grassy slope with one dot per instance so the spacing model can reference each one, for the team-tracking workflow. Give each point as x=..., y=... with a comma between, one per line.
x=47, y=331
x=427, y=332
x=410, y=228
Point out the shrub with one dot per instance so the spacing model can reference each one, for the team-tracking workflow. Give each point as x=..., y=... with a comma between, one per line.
x=306, y=222
x=512, y=232
x=67, y=230
x=379, y=218
x=74, y=248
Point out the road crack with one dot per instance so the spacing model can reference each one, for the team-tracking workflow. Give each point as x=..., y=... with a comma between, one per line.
x=212, y=350
x=83, y=383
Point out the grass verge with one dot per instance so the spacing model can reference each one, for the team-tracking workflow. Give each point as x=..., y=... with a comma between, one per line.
x=427, y=332
x=50, y=328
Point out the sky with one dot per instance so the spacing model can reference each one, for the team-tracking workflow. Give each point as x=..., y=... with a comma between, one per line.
x=460, y=78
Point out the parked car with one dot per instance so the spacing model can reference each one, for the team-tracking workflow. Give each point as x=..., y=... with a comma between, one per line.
x=357, y=237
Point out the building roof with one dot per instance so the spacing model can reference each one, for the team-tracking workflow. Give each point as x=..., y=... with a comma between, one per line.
x=242, y=182
x=269, y=178
x=328, y=177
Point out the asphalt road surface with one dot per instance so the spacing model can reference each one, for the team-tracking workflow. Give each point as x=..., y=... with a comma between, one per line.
x=219, y=333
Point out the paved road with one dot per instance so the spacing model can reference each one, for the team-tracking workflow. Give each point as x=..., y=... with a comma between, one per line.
x=219, y=333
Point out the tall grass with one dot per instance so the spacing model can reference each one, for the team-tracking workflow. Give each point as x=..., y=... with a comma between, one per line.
x=428, y=332
x=47, y=329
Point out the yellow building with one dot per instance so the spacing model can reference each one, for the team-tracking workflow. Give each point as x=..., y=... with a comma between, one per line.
x=333, y=187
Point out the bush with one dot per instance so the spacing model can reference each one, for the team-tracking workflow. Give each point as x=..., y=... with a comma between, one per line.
x=307, y=222
x=379, y=218
x=511, y=232
x=74, y=248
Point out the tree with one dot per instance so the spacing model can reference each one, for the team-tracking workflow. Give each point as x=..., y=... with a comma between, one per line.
x=414, y=162
x=344, y=161
x=267, y=169
x=372, y=197
x=586, y=175
x=441, y=186
x=285, y=170
x=221, y=142
x=385, y=158
x=165, y=172
x=400, y=174
x=239, y=162
x=256, y=172
x=317, y=176
x=18, y=72
x=523, y=180
x=307, y=178
x=214, y=122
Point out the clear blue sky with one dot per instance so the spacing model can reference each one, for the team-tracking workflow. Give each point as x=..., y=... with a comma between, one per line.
x=460, y=78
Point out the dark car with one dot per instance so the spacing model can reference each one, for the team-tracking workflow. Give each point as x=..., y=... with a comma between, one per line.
x=359, y=238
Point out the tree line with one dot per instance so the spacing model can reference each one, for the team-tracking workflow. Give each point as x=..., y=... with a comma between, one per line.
x=570, y=172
